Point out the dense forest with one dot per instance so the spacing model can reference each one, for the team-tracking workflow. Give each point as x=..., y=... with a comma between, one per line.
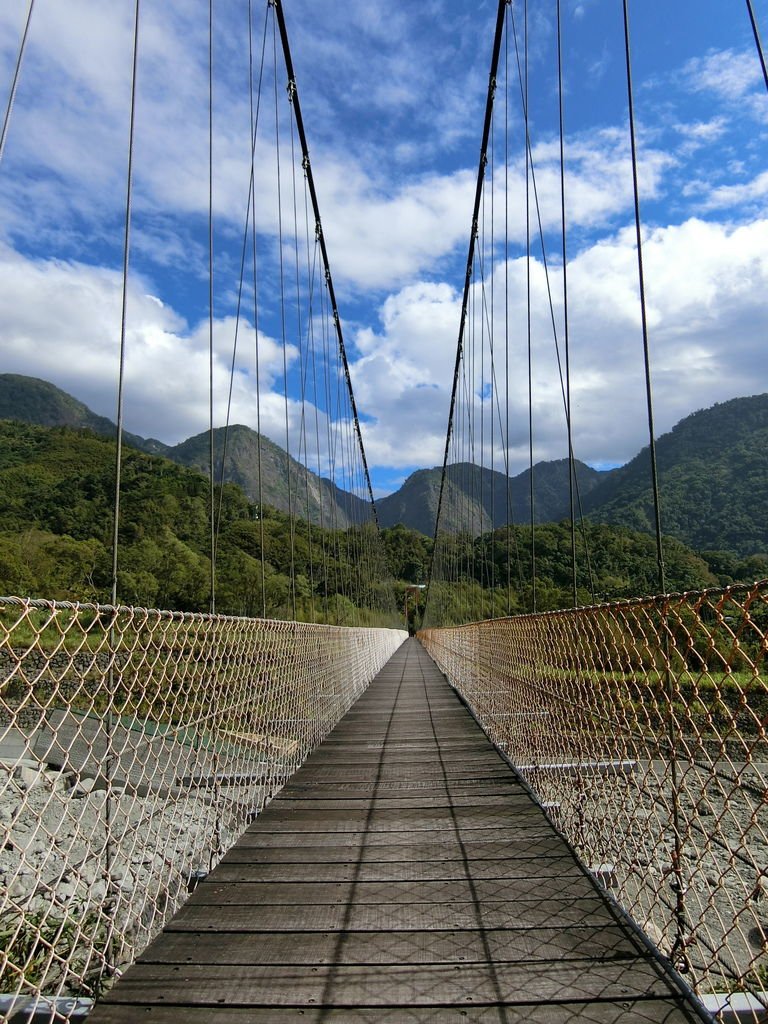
x=56, y=516
x=713, y=479
x=56, y=499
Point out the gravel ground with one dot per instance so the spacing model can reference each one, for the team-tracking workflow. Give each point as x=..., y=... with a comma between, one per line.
x=92, y=872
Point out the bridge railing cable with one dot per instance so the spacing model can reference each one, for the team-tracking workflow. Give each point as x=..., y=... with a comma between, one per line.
x=135, y=748
x=640, y=727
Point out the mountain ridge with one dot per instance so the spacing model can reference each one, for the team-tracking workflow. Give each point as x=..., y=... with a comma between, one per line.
x=712, y=469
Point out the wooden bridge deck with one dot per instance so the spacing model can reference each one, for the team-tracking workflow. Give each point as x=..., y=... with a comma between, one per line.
x=403, y=875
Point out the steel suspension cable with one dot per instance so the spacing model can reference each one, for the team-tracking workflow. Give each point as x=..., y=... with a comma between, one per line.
x=211, y=454
x=321, y=239
x=678, y=952
x=15, y=79
x=283, y=322
x=566, y=324
x=253, y=133
x=488, y=321
x=496, y=52
x=109, y=760
x=545, y=265
x=758, y=43
x=528, y=307
x=643, y=307
x=256, y=304
x=124, y=303
x=508, y=495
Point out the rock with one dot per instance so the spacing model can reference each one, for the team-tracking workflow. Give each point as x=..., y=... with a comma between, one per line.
x=89, y=871
x=57, y=780
x=31, y=778
x=119, y=871
x=97, y=892
x=83, y=786
x=22, y=887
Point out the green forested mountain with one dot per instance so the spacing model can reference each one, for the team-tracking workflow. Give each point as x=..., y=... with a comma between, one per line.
x=494, y=571
x=285, y=484
x=484, y=496
x=713, y=476
x=30, y=400
x=56, y=501
x=713, y=480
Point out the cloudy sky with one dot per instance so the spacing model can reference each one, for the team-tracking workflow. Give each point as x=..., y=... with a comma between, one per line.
x=393, y=96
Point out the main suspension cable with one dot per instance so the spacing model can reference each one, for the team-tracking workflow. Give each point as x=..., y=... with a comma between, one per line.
x=496, y=52
x=758, y=42
x=323, y=250
x=124, y=303
x=15, y=79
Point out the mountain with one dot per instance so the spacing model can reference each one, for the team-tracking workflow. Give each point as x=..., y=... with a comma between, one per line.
x=713, y=476
x=56, y=516
x=713, y=481
x=56, y=522
x=483, y=497
x=30, y=400
x=285, y=484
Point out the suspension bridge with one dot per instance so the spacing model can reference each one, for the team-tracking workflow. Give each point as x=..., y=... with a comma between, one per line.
x=284, y=806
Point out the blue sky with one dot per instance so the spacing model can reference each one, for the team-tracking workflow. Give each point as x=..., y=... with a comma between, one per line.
x=393, y=97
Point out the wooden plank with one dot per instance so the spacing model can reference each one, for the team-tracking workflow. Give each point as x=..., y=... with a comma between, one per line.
x=442, y=835
x=223, y=893
x=414, y=947
x=230, y=870
x=405, y=760
x=505, y=803
x=404, y=985
x=396, y=819
x=622, y=1011
x=251, y=849
x=560, y=913
x=386, y=793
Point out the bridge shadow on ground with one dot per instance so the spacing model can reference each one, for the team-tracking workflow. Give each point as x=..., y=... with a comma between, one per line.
x=404, y=874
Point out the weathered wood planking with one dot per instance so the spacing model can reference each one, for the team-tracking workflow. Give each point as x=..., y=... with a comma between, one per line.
x=403, y=876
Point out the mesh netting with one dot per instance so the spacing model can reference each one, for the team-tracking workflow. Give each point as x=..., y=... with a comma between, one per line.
x=641, y=727
x=135, y=747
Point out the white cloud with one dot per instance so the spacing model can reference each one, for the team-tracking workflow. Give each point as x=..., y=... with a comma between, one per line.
x=733, y=76
x=706, y=286
x=385, y=92
x=62, y=323
x=743, y=195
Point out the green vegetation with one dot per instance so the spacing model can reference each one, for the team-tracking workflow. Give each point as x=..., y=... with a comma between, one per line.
x=495, y=570
x=713, y=478
x=57, y=488
x=56, y=498
x=29, y=939
x=31, y=400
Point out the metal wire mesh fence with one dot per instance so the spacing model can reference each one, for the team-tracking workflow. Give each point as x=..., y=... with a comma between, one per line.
x=135, y=747
x=641, y=727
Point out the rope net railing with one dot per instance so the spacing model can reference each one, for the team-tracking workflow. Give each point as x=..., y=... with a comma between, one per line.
x=641, y=728
x=135, y=747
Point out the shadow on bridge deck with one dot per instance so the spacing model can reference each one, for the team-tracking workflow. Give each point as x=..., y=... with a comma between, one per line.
x=403, y=875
